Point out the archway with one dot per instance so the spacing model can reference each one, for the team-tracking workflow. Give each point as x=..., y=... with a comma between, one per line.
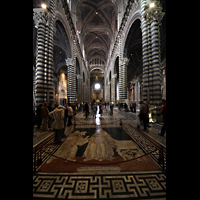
x=61, y=51
x=97, y=85
x=133, y=51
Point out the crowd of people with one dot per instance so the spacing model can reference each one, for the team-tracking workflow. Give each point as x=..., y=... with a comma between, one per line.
x=144, y=115
x=55, y=116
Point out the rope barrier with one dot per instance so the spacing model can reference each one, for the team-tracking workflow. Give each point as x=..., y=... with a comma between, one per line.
x=84, y=163
x=58, y=139
x=100, y=163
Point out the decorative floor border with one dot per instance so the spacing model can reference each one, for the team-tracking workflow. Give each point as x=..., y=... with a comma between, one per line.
x=140, y=185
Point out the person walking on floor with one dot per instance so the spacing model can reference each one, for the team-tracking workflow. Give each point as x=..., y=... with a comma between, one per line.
x=147, y=105
x=65, y=118
x=94, y=110
x=58, y=124
x=70, y=114
x=39, y=118
x=163, y=112
x=134, y=107
x=50, y=121
x=45, y=116
x=143, y=114
x=100, y=109
x=111, y=108
x=86, y=109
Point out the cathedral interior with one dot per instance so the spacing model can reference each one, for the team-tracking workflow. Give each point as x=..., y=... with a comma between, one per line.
x=100, y=51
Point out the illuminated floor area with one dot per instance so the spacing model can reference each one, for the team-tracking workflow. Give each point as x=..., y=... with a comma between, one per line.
x=105, y=157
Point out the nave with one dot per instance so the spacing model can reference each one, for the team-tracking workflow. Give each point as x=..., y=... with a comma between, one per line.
x=105, y=157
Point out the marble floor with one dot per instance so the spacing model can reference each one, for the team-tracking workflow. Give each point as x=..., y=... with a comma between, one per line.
x=105, y=157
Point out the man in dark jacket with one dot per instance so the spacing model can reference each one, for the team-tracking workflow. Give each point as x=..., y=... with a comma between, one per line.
x=39, y=118
x=45, y=116
x=163, y=112
x=86, y=109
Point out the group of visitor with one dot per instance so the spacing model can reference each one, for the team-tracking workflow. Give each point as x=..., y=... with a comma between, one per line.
x=132, y=106
x=54, y=117
x=144, y=115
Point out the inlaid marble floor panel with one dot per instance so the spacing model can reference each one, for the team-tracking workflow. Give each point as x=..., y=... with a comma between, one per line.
x=100, y=158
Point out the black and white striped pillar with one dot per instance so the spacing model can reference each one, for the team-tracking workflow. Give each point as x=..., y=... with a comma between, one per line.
x=120, y=72
x=71, y=94
x=40, y=18
x=146, y=50
x=50, y=51
x=151, y=17
x=44, y=19
x=122, y=75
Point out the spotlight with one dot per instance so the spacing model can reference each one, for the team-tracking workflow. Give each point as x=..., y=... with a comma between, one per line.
x=44, y=6
x=151, y=5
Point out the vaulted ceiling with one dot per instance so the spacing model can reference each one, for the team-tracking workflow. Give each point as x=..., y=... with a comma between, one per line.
x=96, y=24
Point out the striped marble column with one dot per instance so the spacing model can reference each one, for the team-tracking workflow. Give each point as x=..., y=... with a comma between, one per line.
x=44, y=19
x=151, y=18
x=50, y=51
x=122, y=75
x=155, y=35
x=71, y=95
x=146, y=50
x=40, y=18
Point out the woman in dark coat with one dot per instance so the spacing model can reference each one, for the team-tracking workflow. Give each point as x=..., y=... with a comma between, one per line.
x=100, y=109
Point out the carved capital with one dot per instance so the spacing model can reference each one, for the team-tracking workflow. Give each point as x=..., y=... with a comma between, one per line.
x=114, y=76
x=40, y=15
x=154, y=13
x=125, y=61
x=69, y=62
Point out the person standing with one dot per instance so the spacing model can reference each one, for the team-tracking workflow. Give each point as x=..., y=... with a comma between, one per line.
x=111, y=108
x=65, y=118
x=39, y=118
x=163, y=112
x=100, y=109
x=70, y=114
x=134, y=107
x=58, y=124
x=131, y=106
x=44, y=115
x=50, y=121
x=143, y=114
x=86, y=109
x=147, y=105
x=94, y=110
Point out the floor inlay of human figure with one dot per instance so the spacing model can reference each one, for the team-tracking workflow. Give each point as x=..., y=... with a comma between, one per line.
x=69, y=148
x=100, y=146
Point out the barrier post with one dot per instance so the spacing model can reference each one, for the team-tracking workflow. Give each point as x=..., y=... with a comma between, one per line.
x=35, y=159
x=161, y=158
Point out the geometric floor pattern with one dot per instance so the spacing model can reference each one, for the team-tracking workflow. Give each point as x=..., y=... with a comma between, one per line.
x=87, y=178
x=142, y=185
